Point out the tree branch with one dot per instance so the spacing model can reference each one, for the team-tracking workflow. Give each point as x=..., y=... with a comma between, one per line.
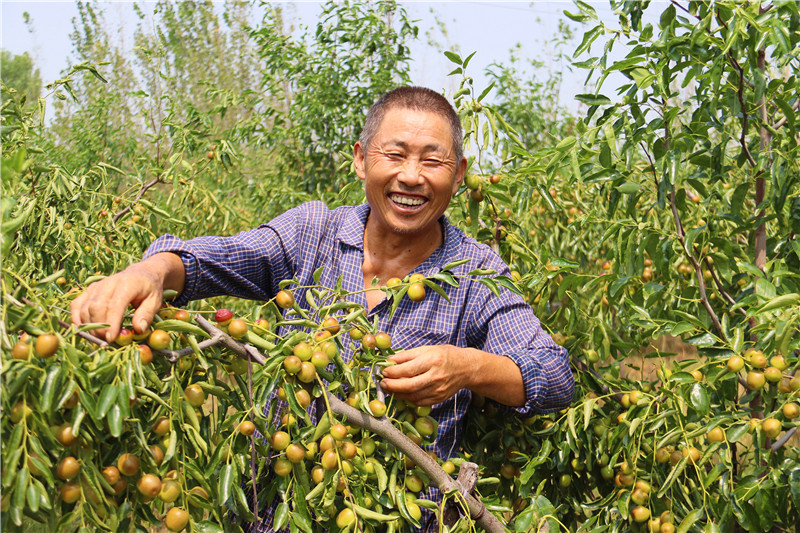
x=701, y=285
x=242, y=350
x=743, y=105
x=783, y=440
x=439, y=477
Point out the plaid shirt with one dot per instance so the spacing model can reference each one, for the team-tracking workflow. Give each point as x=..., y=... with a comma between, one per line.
x=250, y=265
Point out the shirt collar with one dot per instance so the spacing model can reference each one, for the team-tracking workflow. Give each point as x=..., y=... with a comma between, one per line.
x=351, y=233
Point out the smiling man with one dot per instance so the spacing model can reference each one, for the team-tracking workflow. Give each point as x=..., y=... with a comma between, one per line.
x=410, y=158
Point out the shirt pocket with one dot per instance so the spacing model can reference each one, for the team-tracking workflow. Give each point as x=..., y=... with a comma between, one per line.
x=405, y=337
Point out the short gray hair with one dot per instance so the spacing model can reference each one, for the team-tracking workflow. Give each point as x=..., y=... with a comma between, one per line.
x=418, y=99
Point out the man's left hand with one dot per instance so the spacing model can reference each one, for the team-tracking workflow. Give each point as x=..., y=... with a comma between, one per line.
x=427, y=375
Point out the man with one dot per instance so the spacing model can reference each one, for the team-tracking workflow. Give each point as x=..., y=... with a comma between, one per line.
x=410, y=159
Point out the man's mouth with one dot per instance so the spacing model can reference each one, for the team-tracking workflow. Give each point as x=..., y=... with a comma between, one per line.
x=407, y=201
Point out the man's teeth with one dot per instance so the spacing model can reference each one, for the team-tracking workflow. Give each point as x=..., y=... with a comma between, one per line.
x=405, y=200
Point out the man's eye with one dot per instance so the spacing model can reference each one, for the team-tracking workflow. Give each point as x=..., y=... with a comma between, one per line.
x=431, y=161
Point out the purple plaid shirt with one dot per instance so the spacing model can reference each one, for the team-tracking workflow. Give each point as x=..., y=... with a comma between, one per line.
x=250, y=265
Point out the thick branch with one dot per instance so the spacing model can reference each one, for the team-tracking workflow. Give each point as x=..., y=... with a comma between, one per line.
x=783, y=440
x=439, y=477
x=380, y=427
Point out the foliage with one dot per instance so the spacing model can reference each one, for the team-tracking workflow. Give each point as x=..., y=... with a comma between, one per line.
x=324, y=84
x=669, y=211
x=18, y=73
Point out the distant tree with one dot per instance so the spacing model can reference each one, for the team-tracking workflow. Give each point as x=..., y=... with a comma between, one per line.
x=19, y=73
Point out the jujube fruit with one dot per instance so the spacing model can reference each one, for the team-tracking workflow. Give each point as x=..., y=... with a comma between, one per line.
x=247, y=428
x=159, y=339
x=68, y=468
x=194, y=395
x=149, y=485
x=284, y=299
x=237, y=328
x=46, y=345
x=128, y=464
x=176, y=519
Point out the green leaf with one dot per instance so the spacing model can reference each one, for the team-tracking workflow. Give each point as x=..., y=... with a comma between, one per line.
x=593, y=99
x=698, y=396
x=680, y=328
x=452, y=56
x=571, y=423
x=628, y=187
x=206, y=526
x=690, y=520
x=107, y=397
x=618, y=285
x=588, y=38
x=115, y=420
x=318, y=274
x=491, y=284
x=225, y=483
x=779, y=302
x=49, y=387
x=451, y=265
x=436, y=288
x=794, y=486
x=735, y=432
x=281, y=517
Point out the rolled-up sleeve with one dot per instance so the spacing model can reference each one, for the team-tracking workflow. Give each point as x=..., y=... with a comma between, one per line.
x=506, y=325
x=248, y=265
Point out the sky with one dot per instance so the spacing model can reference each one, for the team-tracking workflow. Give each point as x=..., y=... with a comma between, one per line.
x=489, y=28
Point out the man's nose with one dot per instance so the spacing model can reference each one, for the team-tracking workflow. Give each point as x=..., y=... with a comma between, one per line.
x=412, y=172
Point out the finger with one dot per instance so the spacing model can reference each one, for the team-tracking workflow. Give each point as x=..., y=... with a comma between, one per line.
x=114, y=313
x=94, y=311
x=404, y=370
x=75, y=309
x=404, y=385
x=144, y=314
x=407, y=355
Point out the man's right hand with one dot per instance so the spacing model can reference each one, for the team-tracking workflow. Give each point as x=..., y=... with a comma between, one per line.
x=140, y=285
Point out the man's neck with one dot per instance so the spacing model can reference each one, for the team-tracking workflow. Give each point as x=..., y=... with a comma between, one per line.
x=388, y=254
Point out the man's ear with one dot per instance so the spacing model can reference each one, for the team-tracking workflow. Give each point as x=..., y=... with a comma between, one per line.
x=460, y=172
x=358, y=160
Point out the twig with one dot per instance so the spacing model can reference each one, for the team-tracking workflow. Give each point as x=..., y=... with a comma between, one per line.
x=242, y=350
x=174, y=355
x=616, y=395
x=718, y=284
x=84, y=335
x=155, y=181
x=698, y=271
x=676, y=4
x=743, y=105
x=701, y=285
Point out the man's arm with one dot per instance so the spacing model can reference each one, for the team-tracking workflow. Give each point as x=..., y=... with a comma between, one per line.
x=141, y=285
x=431, y=374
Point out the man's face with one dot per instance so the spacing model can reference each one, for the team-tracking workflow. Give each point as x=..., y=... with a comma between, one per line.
x=410, y=171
